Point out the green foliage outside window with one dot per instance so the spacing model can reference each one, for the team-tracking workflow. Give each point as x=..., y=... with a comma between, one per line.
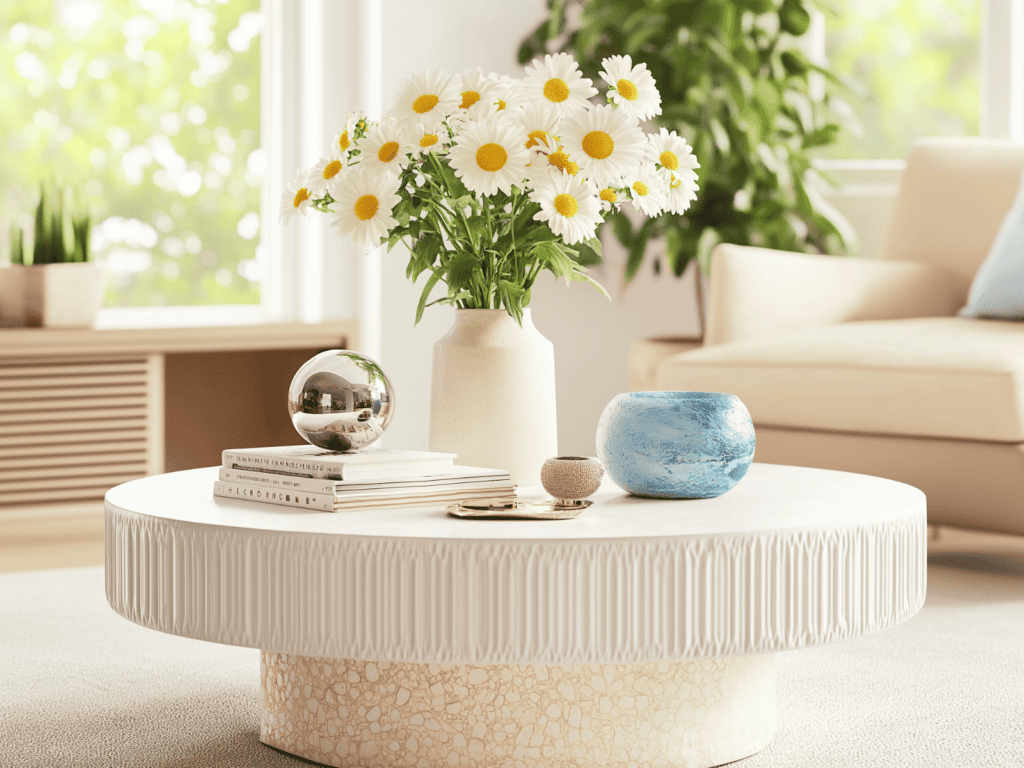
x=151, y=109
x=736, y=84
x=917, y=65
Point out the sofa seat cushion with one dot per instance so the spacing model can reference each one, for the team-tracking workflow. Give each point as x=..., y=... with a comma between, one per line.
x=947, y=377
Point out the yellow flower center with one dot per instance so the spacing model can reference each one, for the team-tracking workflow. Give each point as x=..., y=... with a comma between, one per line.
x=300, y=197
x=491, y=157
x=571, y=168
x=501, y=104
x=366, y=207
x=428, y=140
x=559, y=159
x=535, y=138
x=332, y=169
x=598, y=145
x=608, y=195
x=556, y=90
x=566, y=205
x=343, y=141
x=640, y=188
x=469, y=98
x=669, y=160
x=424, y=103
x=387, y=152
x=626, y=90
x=675, y=183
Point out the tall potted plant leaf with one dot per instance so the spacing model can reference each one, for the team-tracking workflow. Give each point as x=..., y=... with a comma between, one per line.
x=736, y=83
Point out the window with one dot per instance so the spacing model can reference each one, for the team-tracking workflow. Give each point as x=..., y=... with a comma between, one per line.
x=152, y=108
x=918, y=65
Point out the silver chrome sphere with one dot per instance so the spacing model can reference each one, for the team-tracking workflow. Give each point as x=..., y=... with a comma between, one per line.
x=340, y=400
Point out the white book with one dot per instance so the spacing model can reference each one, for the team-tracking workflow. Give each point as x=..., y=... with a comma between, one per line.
x=279, y=496
x=455, y=477
x=311, y=461
x=329, y=503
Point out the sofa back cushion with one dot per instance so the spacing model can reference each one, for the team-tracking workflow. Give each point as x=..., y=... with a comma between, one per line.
x=953, y=197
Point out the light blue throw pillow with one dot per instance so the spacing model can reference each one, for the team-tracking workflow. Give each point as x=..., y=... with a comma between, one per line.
x=998, y=288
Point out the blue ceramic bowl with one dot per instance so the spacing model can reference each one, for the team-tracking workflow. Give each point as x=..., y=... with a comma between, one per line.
x=676, y=445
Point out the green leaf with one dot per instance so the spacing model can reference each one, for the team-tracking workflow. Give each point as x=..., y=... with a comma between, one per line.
x=461, y=269
x=636, y=251
x=590, y=252
x=424, y=254
x=583, y=277
x=794, y=18
x=622, y=228
x=555, y=260
x=705, y=245
x=431, y=282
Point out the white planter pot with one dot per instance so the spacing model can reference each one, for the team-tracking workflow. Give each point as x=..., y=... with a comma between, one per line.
x=62, y=295
x=12, y=295
x=492, y=394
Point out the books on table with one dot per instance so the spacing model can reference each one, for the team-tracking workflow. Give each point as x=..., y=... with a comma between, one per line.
x=305, y=476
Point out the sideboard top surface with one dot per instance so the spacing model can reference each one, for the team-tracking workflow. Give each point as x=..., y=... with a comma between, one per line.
x=56, y=342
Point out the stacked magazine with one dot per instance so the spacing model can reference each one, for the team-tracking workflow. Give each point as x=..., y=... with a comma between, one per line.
x=306, y=476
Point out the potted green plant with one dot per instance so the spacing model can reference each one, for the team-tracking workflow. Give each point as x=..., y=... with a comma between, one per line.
x=736, y=83
x=53, y=283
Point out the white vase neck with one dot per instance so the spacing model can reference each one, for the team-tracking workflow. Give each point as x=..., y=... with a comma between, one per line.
x=489, y=318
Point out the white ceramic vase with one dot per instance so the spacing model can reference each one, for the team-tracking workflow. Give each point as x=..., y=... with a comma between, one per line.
x=492, y=394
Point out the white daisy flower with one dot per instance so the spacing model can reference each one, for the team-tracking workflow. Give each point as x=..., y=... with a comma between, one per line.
x=549, y=158
x=682, y=189
x=571, y=209
x=540, y=121
x=648, y=189
x=610, y=198
x=671, y=152
x=605, y=141
x=326, y=172
x=510, y=93
x=426, y=140
x=428, y=98
x=632, y=88
x=343, y=141
x=296, y=197
x=475, y=86
x=489, y=156
x=479, y=112
x=366, y=199
x=386, y=147
x=557, y=79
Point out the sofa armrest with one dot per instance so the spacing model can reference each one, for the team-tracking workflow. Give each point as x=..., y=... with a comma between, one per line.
x=759, y=292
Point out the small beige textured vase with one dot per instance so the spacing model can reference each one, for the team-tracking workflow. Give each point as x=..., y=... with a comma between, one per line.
x=571, y=478
x=492, y=394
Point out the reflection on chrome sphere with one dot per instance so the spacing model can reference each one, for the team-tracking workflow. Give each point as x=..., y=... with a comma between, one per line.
x=340, y=400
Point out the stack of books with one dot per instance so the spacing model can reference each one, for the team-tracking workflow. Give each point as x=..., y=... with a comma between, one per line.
x=309, y=477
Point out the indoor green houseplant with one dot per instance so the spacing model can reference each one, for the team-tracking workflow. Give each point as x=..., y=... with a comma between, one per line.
x=736, y=83
x=53, y=283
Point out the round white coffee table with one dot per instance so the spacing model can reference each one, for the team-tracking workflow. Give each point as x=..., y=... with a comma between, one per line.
x=640, y=634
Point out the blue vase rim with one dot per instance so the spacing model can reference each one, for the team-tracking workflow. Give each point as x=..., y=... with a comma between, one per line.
x=677, y=395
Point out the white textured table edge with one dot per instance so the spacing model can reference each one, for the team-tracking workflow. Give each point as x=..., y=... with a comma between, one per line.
x=527, y=600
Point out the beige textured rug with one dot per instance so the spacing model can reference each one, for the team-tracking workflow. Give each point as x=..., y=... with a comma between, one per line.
x=80, y=686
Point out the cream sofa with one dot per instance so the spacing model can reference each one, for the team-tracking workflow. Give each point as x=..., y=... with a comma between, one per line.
x=862, y=364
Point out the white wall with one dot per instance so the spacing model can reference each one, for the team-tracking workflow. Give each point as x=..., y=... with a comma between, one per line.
x=591, y=335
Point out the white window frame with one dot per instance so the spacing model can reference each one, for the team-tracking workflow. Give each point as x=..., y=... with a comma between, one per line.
x=319, y=59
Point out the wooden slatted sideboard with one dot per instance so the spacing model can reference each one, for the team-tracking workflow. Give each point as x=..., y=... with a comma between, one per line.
x=84, y=410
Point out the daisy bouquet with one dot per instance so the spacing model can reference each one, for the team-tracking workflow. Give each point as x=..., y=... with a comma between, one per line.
x=489, y=180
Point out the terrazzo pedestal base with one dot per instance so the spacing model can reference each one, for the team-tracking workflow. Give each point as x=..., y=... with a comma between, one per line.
x=362, y=714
